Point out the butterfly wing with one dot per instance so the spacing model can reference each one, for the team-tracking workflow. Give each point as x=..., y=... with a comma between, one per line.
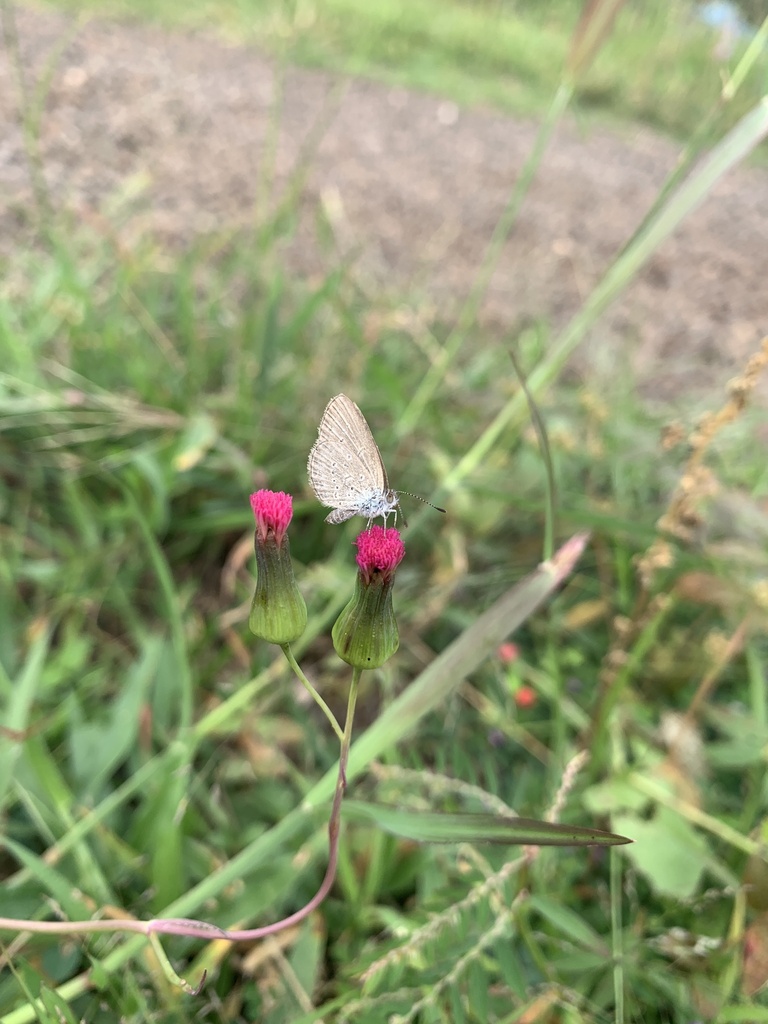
x=344, y=425
x=345, y=464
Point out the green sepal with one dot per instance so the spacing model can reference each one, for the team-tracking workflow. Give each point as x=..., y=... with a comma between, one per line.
x=278, y=612
x=365, y=635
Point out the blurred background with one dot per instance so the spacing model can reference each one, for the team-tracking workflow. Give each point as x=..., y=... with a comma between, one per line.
x=213, y=218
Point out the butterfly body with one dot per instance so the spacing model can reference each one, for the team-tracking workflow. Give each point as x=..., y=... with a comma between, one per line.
x=371, y=506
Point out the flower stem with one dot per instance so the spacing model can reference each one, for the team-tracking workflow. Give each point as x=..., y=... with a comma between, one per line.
x=201, y=929
x=177, y=926
x=312, y=692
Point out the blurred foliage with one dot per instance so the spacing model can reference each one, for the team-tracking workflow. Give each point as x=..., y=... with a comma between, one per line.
x=660, y=66
x=148, y=742
x=125, y=475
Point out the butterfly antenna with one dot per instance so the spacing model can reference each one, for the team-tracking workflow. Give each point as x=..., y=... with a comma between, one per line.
x=418, y=497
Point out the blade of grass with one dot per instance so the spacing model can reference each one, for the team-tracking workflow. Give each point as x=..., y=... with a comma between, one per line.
x=55, y=801
x=56, y=884
x=22, y=693
x=172, y=612
x=425, y=827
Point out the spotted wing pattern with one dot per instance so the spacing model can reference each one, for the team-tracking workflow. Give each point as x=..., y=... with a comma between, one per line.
x=345, y=467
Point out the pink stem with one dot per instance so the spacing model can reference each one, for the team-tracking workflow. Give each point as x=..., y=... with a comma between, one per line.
x=197, y=929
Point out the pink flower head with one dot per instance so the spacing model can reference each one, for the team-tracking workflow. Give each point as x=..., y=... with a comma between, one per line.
x=508, y=652
x=273, y=511
x=365, y=634
x=379, y=551
x=526, y=697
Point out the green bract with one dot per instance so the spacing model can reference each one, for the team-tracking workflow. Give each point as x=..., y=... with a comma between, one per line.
x=278, y=612
x=365, y=634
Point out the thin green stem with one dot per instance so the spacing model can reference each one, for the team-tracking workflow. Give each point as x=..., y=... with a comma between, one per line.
x=618, y=766
x=170, y=974
x=202, y=929
x=752, y=55
x=347, y=737
x=313, y=692
x=617, y=935
x=468, y=314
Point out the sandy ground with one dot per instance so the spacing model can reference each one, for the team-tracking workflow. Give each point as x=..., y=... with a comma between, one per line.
x=412, y=184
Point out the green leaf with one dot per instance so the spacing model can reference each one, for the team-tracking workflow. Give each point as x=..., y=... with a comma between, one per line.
x=457, y=1009
x=510, y=967
x=307, y=955
x=29, y=980
x=15, y=714
x=197, y=439
x=477, y=991
x=667, y=850
x=476, y=828
x=56, y=884
x=614, y=795
x=98, y=747
x=56, y=1006
x=568, y=923
x=577, y=962
x=168, y=865
x=740, y=752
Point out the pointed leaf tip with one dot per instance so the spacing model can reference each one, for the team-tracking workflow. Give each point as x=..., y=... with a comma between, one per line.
x=436, y=827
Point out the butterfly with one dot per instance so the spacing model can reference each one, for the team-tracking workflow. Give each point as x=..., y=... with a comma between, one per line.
x=345, y=467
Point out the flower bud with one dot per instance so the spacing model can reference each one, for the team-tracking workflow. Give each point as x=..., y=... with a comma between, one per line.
x=365, y=634
x=278, y=613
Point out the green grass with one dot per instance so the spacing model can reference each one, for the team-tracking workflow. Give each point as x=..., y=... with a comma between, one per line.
x=125, y=484
x=153, y=753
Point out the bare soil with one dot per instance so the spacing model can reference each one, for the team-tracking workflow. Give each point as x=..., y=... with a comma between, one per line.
x=412, y=185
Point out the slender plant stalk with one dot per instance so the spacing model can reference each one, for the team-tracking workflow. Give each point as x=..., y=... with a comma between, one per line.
x=616, y=892
x=313, y=692
x=617, y=936
x=188, y=927
x=468, y=314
